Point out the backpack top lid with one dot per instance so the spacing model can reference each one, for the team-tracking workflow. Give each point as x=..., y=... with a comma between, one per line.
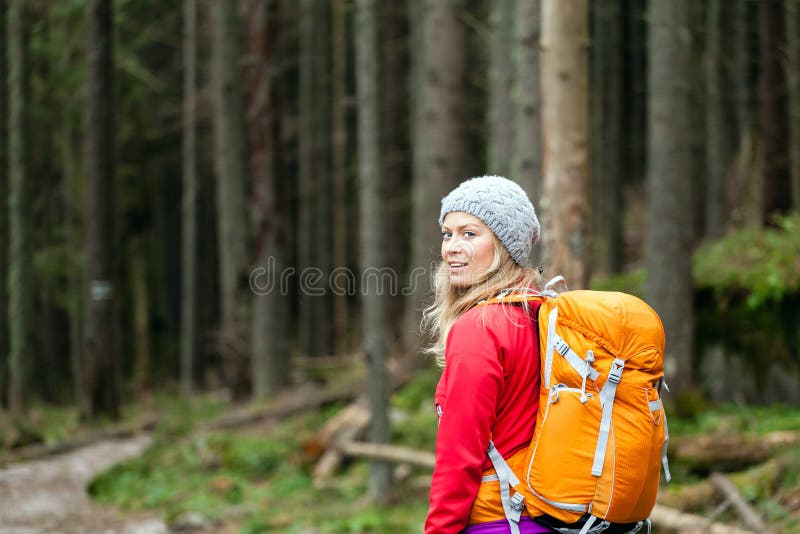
x=624, y=325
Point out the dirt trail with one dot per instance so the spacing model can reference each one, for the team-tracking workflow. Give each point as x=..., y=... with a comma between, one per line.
x=49, y=495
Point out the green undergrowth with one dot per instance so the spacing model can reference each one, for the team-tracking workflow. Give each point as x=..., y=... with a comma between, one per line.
x=258, y=479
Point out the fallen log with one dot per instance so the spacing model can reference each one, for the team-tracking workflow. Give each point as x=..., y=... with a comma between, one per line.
x=729, y=452
x=685, y=523
x=387, y=453
x=347, y=425
x=749, y=516
x=298, y=401
x=698, y=495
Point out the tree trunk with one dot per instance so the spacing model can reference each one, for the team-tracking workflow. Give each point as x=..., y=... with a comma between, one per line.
x=269, y=339
x=440, y=142
x=634, y=112
x=606, y=115
x=232, y=176
x=772, y=107
x=501, y=78
x=20, y=292
x=717, y=147
x=669, y=232
x=189, y=204
x=373, y=308
x=141, y=319
x=102, y=360
x=527, y=154
x=742, y=200
x=339, y=171
x=697, y=114
x=793, y=72
x=565, y=114
x=395, y=153
x=316, y=304
x=4, y=244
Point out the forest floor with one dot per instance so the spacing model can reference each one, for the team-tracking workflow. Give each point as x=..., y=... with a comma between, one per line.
x=49, y=495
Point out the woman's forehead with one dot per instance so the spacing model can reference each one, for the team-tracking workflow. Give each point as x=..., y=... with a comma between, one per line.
x=458, y=219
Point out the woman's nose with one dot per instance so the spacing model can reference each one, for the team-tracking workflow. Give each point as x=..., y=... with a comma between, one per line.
x=453, y=245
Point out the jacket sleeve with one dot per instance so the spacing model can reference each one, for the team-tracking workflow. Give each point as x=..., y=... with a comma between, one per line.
x=472, y=384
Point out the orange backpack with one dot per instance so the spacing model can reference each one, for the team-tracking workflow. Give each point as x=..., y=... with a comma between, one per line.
x=601, y=431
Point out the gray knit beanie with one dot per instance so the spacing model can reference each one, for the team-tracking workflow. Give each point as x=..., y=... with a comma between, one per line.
x=503, y=206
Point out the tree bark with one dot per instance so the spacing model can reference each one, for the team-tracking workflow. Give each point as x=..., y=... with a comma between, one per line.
x=339, y=170
x=20, y=292
x=442, y=155
x=793, y=72
x=102, y=366
x=269, y=341
x=606, y=116
x=565, y=115
x=189, y=203
x=373, y=299
x=527, y=154
x=668, y=241
x=230, y=151
x=395, y=104
x=316, y=304
x=773, y=124
x=745, y=203
x=501, y=78
x=4, y=189
x=718, y=152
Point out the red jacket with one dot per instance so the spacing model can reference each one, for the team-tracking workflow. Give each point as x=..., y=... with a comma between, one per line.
x=488, y=390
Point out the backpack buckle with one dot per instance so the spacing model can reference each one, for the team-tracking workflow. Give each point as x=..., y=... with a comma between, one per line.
x=518, y=501
x=615, y=375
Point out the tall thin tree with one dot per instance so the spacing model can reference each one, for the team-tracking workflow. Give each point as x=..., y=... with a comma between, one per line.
x=527, y=153
x=3, y=194
x=772, y=111
x=316, y=303
x=189, y=205
x=101, y=392
x=793, y=62
x=606, y=125
x=19, y=283
x=668, y=240
x=565, y=116
x=442, y=156
x=501, y=77
x=373, y=309
x=339, y=168
x=269, y=338
x=230, y=151
x=717, y=147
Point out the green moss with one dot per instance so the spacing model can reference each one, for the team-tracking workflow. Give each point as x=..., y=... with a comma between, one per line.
x=763, y=264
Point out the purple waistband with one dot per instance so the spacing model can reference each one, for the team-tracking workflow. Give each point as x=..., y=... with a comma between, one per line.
x=526, y=526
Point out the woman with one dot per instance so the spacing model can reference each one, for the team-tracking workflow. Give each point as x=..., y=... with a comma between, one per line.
x=489, y=389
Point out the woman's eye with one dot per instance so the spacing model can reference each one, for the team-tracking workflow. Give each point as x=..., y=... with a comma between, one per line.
x=446, y=235
x=469, y=234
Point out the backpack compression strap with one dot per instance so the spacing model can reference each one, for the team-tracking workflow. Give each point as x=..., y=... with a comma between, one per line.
x=512, y=504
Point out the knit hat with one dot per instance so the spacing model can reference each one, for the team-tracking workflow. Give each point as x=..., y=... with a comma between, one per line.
x=503, y=206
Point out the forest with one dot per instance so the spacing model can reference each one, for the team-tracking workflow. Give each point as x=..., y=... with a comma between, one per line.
x=220, y=231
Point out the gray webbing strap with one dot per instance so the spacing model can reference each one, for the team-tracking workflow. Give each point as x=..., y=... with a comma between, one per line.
x=664, y=461
x=556, y=343
x=607, y=395
x=588, y=524
x=577, y=363
x=512, y=505
x=551, y=342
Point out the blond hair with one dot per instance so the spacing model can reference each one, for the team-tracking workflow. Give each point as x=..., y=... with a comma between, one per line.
x=450, y=303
